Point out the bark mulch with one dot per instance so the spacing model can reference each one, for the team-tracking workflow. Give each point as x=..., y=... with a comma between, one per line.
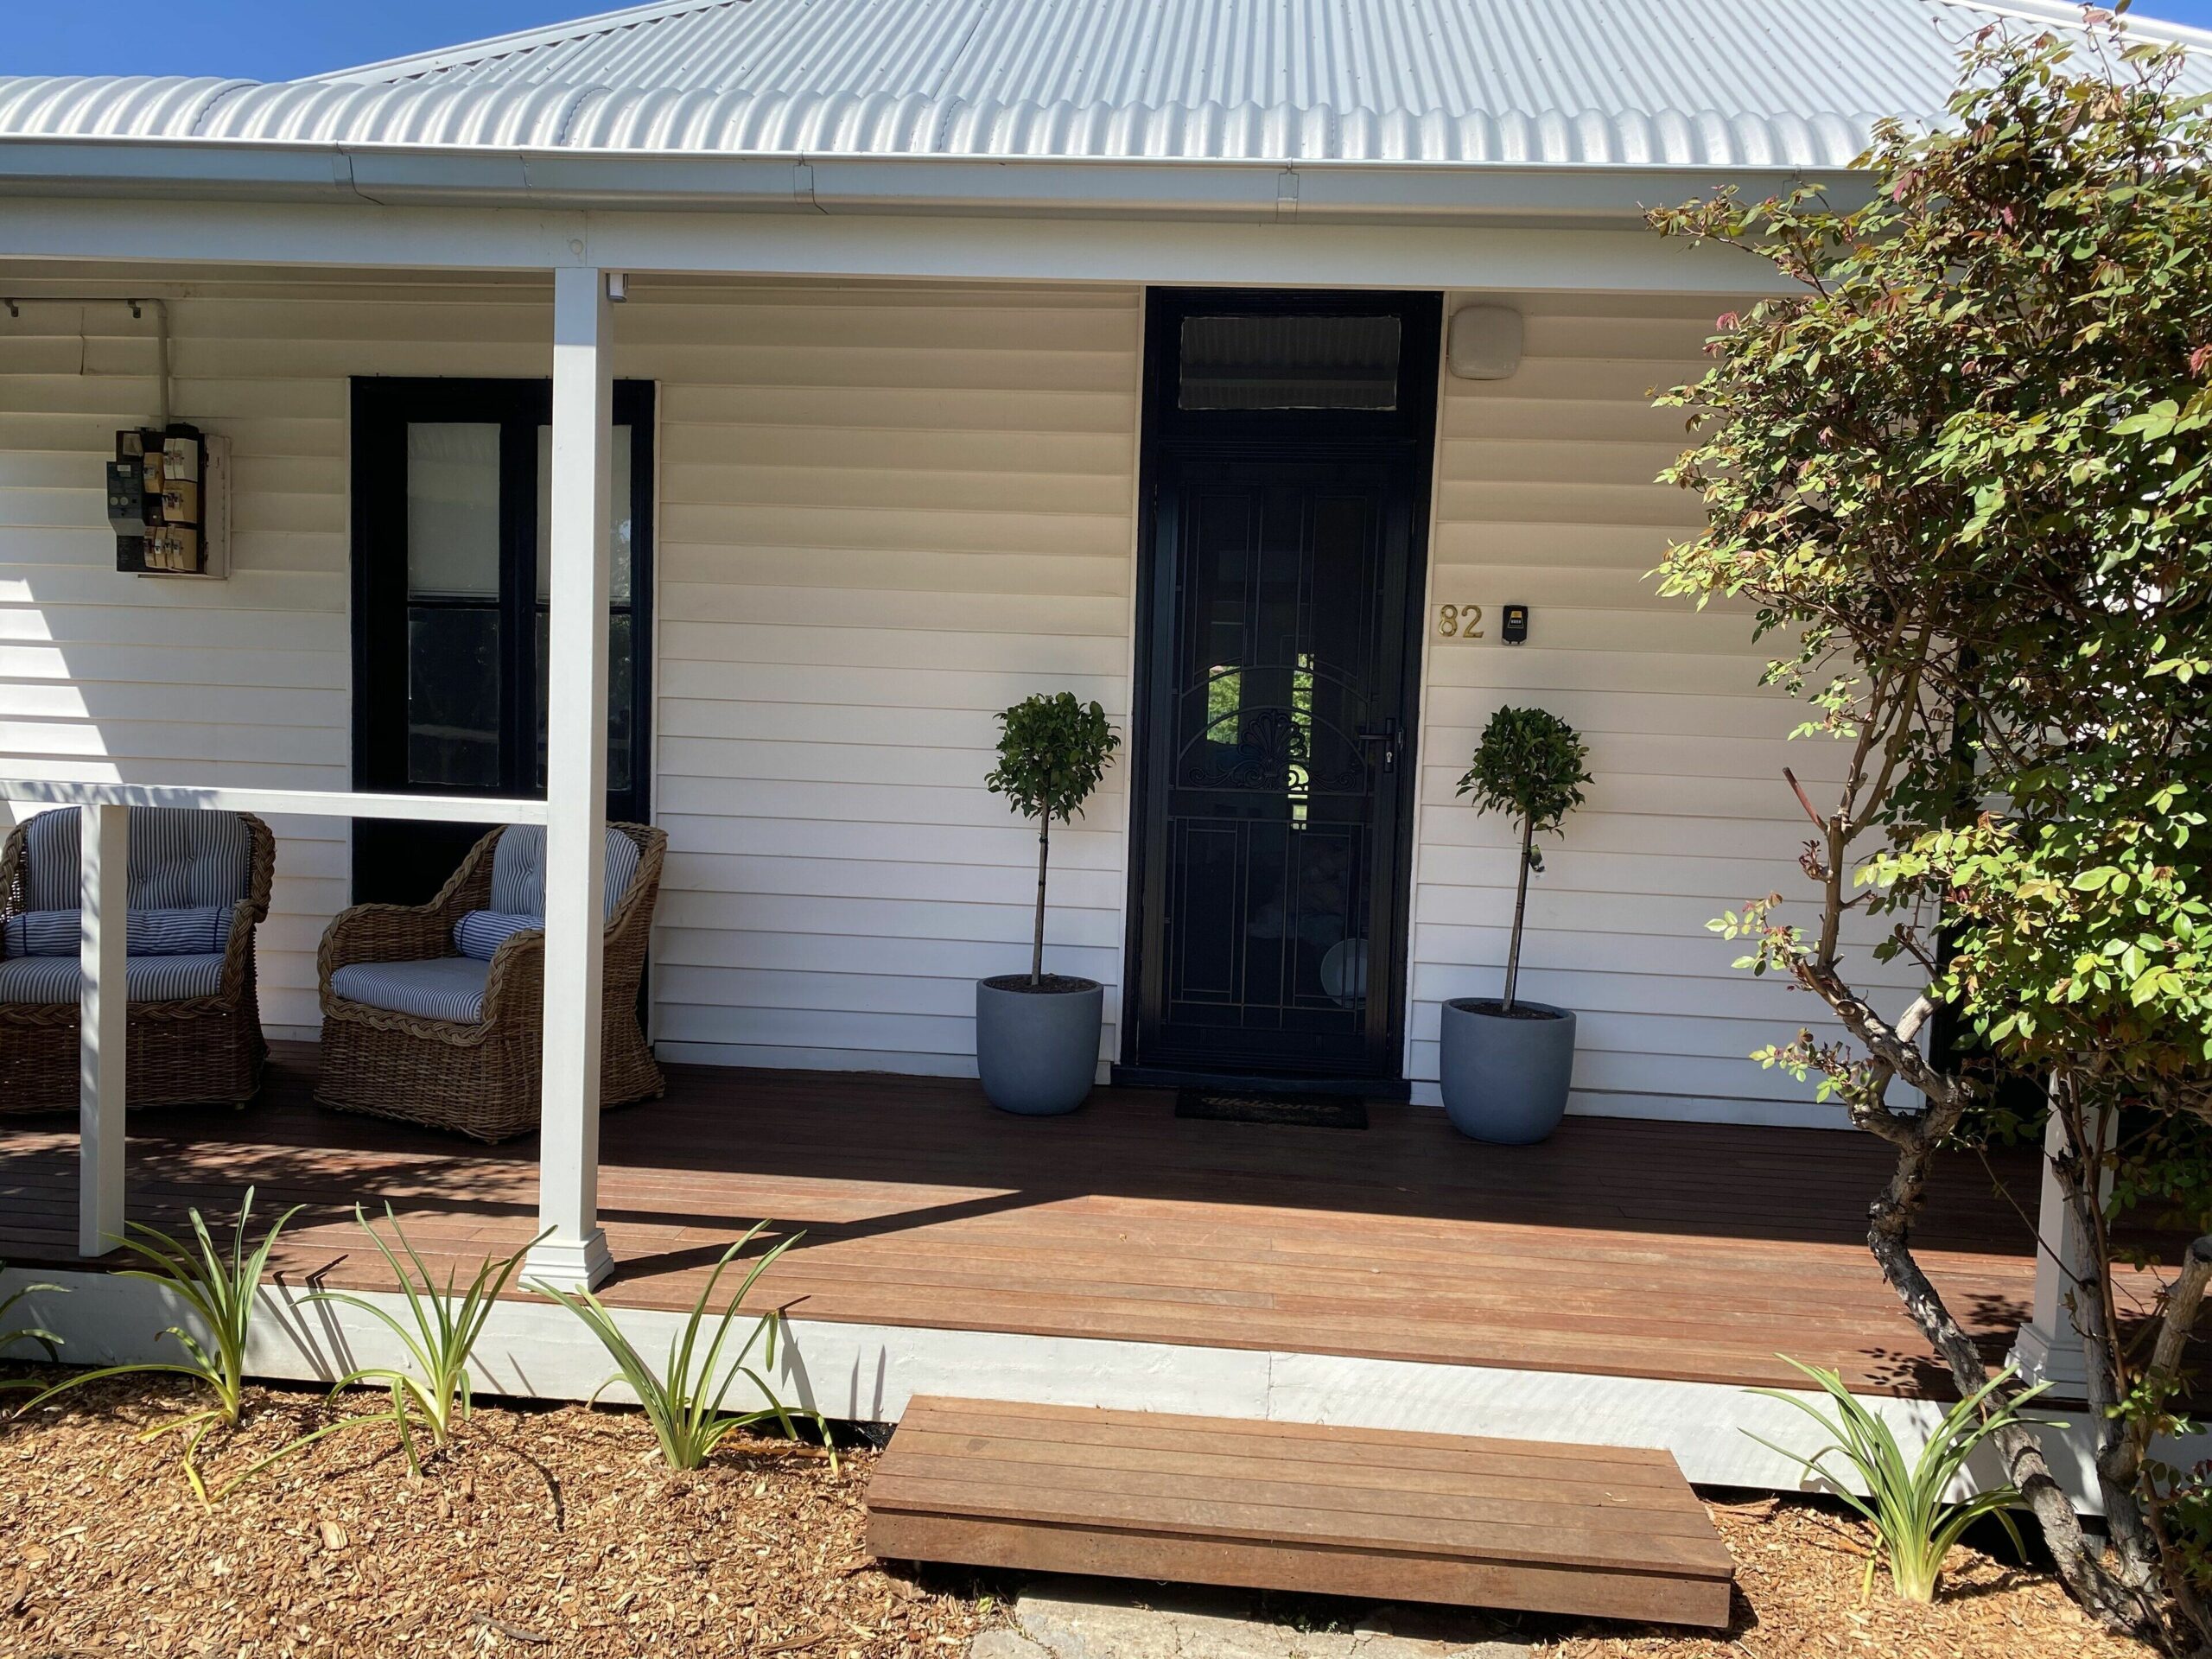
x=1798, y=1570
x=555, y=1532
x=545, y=1532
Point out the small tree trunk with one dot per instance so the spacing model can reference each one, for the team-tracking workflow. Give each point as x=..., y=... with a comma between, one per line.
x=1043, y=852
x=1520, y=910
x=2120, y=1606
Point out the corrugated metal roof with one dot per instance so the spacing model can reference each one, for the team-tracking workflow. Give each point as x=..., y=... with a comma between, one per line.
x=1620, y=82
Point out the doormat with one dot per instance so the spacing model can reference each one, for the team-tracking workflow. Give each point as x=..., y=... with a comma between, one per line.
x=1302, y=1111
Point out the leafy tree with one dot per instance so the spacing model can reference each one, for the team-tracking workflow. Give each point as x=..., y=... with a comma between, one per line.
x=1960, y=470
x=1529, y=765
x=1052, y=751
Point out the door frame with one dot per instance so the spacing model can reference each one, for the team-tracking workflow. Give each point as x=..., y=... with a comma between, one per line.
x=1405, y=435
x=379, y=407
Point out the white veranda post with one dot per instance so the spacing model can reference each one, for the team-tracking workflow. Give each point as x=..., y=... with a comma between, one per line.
x=2049, y=1347
x=103, y=1010
x=574, y=1252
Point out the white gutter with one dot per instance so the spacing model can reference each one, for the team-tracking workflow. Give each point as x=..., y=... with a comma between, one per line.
x=969, y=187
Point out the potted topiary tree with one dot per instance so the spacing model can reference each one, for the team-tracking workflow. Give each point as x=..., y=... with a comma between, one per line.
x=1037, y=1034
x=1506, y=1062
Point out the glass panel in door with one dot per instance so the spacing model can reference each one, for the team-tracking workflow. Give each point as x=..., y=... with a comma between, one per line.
x=453, y=605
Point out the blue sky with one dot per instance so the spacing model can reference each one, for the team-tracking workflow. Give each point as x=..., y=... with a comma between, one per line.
x=276, y=39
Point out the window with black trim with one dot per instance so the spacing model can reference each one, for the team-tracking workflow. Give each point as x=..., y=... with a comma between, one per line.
x=452, y=537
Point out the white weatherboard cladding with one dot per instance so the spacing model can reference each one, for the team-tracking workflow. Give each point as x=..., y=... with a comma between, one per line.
x=1545, y=496
x=109, y=677
x=884, y=515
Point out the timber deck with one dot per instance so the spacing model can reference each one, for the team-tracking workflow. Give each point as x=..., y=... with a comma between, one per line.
x=1532, y=1526
x=1689, y=1252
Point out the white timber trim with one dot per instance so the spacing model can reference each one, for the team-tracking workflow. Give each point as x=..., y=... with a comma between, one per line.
x=574, y=1254
x=103, y=1019
x=303, y=803
x=1032, y=248
x=2050, y=1349
x=535, y=1349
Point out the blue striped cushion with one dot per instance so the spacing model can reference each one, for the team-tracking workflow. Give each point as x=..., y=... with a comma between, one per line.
x=519, y=870
x=480, y=932
x=179, y=932
x=179, y=858
x=146, y=979
x=450, y=988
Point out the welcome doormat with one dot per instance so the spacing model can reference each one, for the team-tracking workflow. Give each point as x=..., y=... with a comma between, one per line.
x=1300, y=1112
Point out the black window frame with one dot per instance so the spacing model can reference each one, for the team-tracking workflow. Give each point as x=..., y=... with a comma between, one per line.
x=382, y=408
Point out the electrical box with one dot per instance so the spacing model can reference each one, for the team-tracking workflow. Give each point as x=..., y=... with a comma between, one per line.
x=169, y=501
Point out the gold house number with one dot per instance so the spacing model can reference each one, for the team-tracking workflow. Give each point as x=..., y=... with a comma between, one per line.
x=1458, y=621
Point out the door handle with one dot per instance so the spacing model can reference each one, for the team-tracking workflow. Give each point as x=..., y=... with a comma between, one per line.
x=1390, y=735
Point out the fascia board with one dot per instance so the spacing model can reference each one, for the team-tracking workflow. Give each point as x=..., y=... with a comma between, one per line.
x=965, y=186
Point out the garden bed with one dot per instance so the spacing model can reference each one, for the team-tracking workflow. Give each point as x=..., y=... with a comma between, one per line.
x=1798, y=1569
x=556, y=1532
x=543, y=1532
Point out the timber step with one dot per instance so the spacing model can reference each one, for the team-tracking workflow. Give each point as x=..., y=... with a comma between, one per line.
x=1606, y=1531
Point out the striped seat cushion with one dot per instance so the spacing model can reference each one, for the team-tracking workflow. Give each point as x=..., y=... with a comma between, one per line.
x=519, y=870
x=480, y=932
x=185, y=931
x=147, y=979
x=449, y=987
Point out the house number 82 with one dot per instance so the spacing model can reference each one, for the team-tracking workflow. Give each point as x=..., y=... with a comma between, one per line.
x=1459, y=621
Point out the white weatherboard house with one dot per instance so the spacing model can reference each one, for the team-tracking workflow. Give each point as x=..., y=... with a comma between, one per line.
x=822, y=377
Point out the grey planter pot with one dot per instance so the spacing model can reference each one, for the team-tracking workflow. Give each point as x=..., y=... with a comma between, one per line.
x=1036, y=1051
x=1505, y=1080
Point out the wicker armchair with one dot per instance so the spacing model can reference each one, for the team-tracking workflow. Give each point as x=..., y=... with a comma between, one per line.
x=194, y=1033
x=464, y=1051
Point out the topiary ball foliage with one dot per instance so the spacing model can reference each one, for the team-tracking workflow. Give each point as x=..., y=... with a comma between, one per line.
x=1052, y=751
x=1528, y=764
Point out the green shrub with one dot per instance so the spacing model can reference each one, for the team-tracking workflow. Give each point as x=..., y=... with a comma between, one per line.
x=1052, y=751
x=1916, y=1527
x=687, y=1420
x=1529, y=766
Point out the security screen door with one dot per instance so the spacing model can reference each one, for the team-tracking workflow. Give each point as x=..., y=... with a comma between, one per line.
x=451, y=546
x=1287, y=472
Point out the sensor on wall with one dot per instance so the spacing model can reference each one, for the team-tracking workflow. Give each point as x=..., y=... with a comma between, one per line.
x=1485, y=342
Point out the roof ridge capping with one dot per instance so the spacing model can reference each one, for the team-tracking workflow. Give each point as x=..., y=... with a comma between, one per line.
x=524, y=40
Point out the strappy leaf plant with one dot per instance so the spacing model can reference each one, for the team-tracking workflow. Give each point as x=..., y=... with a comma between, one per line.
x=220, y=1288
x=688, y=1420
x=1916, y=1526
x=436, y=1387
x=45, y=1340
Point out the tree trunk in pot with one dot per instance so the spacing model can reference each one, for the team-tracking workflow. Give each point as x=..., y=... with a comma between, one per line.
x=1044, y=850
x=1520, y=911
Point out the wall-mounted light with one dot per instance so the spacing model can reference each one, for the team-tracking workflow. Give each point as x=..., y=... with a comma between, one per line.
x=1485, y=342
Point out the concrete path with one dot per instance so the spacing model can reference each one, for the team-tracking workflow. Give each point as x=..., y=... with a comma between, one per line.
x=1079, y=1618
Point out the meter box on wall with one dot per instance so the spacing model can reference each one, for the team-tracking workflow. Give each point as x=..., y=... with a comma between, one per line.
x=169, y=501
